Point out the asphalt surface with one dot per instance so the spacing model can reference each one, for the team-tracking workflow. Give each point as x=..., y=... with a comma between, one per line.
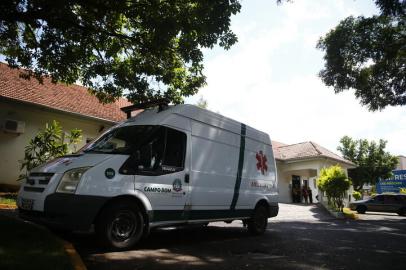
x=301, y=237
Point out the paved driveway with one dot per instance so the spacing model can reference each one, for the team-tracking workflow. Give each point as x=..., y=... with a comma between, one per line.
x=304, y=212
x=381, y=216
x=301, y=237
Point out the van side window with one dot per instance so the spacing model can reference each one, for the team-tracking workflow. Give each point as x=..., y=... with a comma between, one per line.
x=160, y=151
x=150, y=154
x=175, y=149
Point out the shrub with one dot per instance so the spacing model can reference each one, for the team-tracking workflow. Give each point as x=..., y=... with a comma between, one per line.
x=334, y=183
x=350, y=214
x=48, y=144
x=357, y=195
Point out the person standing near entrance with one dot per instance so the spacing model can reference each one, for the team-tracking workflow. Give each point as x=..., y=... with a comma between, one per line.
x=305, y=194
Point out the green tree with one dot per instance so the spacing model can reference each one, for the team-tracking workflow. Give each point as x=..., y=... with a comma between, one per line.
x=369, y=56
x=47, y=145
x=371, y=159
x=334, y=183
x=144, y=50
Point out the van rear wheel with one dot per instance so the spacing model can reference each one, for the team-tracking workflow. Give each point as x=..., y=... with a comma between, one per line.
x=259, y=221
x=120, y=226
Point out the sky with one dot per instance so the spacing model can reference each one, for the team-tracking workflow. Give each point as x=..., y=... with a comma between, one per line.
x=269, y=79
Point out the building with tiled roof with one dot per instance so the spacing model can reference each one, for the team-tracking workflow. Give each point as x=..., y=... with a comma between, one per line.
x=305, y=150
x=27, y=105
x=299, y=165
x=74, y=99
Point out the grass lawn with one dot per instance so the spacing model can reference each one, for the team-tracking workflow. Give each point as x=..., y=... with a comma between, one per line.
x=8, y=198
x=27, y=246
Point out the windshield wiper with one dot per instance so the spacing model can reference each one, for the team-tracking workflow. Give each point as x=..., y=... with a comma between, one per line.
x=95, y=151
x=112, y=152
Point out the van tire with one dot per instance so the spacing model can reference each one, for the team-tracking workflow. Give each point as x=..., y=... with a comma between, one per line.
x=259, y=221
x=120, y=225
x=361, y=209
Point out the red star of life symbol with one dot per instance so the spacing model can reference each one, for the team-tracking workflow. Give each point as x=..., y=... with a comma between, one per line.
x=261, y=164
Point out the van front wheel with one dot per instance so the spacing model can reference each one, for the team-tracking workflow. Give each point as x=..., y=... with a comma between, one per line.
x=259, y=221
x=120, y=226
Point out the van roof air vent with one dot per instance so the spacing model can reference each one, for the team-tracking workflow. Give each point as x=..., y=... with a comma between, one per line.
x=161, y=103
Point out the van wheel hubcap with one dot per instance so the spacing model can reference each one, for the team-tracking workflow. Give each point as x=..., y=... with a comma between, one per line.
x=123, y=226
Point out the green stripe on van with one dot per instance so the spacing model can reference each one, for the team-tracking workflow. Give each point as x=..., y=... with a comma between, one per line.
x=240, y=167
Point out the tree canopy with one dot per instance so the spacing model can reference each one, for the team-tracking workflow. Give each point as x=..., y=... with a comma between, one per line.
x=371, y=159
x=368, y=54
x=144, y=49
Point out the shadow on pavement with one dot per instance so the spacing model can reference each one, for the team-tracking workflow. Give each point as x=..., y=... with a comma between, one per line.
x=285, y=245
x=320, y=212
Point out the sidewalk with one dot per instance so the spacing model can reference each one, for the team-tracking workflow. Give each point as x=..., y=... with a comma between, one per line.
x=302, y=212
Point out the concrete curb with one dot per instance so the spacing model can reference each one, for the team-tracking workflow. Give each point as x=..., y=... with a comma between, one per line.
x=340, y=215
x=74, y=256
x=8, y=206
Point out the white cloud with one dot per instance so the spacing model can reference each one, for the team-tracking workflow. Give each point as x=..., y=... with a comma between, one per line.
x=269, y=79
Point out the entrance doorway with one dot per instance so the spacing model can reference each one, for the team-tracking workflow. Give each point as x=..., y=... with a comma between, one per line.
x=296, y=194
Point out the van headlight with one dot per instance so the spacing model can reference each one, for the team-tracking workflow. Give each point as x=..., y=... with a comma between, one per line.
x=70, y=180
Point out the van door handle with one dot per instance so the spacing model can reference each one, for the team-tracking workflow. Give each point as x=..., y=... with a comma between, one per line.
x=187, y=178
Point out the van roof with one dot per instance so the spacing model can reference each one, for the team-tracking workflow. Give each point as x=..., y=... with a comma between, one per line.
x=196, y=113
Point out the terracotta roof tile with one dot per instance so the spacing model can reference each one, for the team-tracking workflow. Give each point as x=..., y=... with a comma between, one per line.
x=70, y=98
x=304, y=150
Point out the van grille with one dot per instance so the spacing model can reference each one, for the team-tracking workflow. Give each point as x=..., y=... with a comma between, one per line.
x=34, y=189
x=37, y=182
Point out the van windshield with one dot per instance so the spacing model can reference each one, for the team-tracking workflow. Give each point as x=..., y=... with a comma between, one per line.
x=122, y=140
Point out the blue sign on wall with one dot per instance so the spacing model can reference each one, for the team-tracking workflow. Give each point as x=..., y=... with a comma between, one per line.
x=393, y=184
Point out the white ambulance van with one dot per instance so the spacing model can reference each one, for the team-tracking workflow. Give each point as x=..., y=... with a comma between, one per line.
x=171, y=166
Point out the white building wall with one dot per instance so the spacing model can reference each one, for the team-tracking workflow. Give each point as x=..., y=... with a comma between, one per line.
x=283, y=185
x=307, y=170
x=402, y=163
x=12, y=145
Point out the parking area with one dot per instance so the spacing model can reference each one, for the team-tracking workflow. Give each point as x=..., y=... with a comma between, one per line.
x=315, y=213
x=383, y=216
x=301, y=237
x=305, y=212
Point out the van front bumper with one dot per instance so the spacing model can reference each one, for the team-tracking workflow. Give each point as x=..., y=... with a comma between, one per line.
x=67, y=211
